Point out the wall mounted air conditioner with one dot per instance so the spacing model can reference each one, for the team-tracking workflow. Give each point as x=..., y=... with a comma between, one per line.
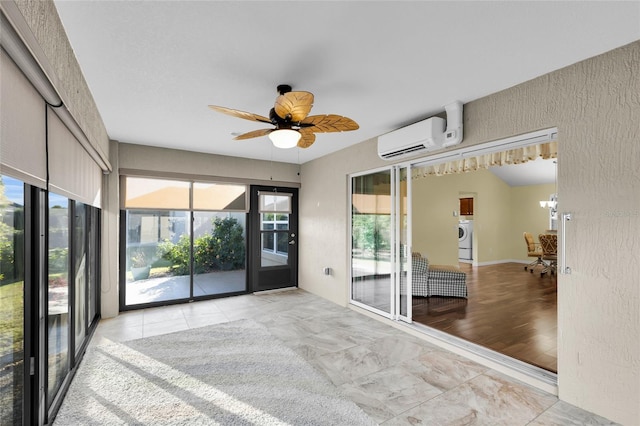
x=423, y=136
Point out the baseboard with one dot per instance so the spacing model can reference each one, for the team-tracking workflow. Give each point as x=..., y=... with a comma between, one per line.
x=497, y=262
x=275, y=290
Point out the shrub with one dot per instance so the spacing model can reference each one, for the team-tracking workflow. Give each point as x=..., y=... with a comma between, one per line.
x=222, y=249
x=58, y=260
x=177, y=254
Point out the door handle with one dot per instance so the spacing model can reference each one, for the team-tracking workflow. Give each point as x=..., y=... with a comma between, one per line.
x=564, y=269
x=292, y=242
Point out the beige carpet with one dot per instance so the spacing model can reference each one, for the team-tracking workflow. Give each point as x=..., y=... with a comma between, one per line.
x=235, y=373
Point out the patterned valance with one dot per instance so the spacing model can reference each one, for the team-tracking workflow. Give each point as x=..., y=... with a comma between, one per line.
x=545, y=150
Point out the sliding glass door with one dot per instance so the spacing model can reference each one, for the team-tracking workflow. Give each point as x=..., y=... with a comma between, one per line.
x=371, y=241
x=183, y=240
x=381, y=243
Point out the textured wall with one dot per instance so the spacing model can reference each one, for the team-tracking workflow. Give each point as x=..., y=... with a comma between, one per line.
x=45, y=25
x=599, y=309
x=323, y=225
x=164, y=160
x=596, y=106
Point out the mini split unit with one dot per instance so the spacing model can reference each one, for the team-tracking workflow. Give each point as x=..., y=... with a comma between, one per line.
x=423, y=136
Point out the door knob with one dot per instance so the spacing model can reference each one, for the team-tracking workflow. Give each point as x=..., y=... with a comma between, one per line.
x=292, y=242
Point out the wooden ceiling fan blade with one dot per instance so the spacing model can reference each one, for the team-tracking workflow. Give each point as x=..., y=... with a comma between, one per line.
x=240, y=114
x=297, y=105
x=253, y=134
x=329, y=123
x=307, y=139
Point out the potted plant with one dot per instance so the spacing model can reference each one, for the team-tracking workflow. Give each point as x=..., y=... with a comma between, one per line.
x=139, y=268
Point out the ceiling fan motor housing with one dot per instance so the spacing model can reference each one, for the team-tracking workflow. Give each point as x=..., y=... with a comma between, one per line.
x=280, y=122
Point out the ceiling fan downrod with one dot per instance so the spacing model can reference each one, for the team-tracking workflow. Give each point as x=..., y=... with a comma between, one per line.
x=283, y=88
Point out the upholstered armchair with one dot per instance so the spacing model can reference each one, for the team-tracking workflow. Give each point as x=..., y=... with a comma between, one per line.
x=436, y=280
x=420, y=270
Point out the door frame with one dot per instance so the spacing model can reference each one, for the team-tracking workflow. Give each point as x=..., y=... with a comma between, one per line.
x=257, y=271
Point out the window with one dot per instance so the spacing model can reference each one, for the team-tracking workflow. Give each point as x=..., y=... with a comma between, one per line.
x=275, y=209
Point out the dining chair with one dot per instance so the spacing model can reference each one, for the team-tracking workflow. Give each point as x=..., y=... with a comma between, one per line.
x=549, y=244
x=533, y=250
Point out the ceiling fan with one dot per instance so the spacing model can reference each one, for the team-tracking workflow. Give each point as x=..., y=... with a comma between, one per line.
x=293, y=125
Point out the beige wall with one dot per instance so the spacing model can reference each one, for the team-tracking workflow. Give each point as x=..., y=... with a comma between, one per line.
x=435, y=228
x=527, y=215
x=501, y=214
x=595, y=106
x=168, y=161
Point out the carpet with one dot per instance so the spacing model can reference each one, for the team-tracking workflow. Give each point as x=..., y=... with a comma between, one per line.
x=234, y=373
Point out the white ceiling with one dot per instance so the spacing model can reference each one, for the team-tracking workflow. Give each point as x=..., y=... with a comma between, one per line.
x=153, y=67
x=536, y=172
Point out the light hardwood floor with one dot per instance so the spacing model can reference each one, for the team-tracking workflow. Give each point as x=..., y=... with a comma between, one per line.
x=508, y=310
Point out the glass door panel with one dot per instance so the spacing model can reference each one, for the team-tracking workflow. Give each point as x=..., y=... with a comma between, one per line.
x=274, y=239
x=58, y=295
x=11, y=300
x=371, y=227
x=158, y=256
x=80, y=268
x=219, y=251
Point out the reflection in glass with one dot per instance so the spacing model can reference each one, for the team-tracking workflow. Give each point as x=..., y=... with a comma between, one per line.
x=80, y=261
x=11, y=300
x=158, y=256
x=58, y=294
x=219, y=253
x=371, y=240
x=94, y=230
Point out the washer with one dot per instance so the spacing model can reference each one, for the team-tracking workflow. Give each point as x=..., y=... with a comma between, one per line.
x=465, y=240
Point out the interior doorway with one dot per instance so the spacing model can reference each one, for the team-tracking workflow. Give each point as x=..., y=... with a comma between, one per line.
x=504, y=206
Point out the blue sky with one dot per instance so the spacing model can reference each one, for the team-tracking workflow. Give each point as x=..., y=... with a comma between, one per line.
x=14, y=190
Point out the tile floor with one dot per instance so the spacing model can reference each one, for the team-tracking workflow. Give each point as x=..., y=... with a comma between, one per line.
x=397, y=379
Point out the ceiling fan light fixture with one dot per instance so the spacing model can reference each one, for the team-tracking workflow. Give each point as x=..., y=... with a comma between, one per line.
x=285, y=138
